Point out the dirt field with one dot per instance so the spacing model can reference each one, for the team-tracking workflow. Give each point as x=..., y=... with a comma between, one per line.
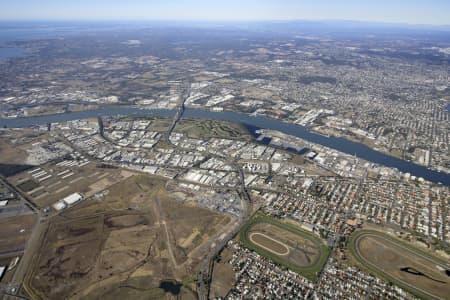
x=9, y=262
x=13, y=144
x=223, y=275
x=404, y=265
x=9, y=154
x=14, y=232
x=14, y=235
x=111, y=246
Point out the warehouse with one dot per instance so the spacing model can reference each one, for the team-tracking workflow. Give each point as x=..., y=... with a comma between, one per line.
x=73, y=198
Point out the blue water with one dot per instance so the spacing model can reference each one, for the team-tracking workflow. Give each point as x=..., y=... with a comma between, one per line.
x=11, y=33
x=25, y=31
x=8, y=35
x=339, y=144
x=303, y=151
x=11, y=52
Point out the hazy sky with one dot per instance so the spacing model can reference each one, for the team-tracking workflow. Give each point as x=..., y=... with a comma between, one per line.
x=398, y=11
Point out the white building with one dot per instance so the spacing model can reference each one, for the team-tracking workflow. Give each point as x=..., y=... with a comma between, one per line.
x=73, y=198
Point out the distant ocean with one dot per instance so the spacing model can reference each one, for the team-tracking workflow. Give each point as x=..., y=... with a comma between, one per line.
x=13, y=32
x=10, y=33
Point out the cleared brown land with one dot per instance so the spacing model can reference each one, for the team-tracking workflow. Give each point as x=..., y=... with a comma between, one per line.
x=8, y=275
x=302, y=251
x=13, y=145
x=11, y=155
x=223, y=275
x=390, y=258
x=11, y=237
x=109, y=246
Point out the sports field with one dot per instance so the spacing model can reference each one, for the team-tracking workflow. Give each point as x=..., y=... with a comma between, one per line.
x=401, y=264
x=268, y=243
x=285, y=244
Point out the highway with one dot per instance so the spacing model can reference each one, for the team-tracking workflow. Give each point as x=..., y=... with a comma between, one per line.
x=31, y=245
x=205, y=273
x=179, y=113
x=28, y=258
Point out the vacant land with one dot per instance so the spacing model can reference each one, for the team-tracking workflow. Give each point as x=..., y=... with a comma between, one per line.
x=13, y=154
x=10, y=262
x=401, y=264
x=160, y=124
x=14, y=143
x=223, y=275
x=14, y=233
x=285, y=244
x=123, y=244
x=209, y=128
x=10, y=154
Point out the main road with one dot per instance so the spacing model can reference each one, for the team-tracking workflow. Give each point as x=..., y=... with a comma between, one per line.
x=179, y=112
x=205, y=273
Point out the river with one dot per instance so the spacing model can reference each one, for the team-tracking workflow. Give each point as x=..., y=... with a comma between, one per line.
x=336, y=143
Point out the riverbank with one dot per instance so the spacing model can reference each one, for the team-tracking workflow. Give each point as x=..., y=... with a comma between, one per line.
x=339, y=144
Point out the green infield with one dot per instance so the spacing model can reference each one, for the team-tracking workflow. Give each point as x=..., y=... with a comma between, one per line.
x=286, y=245
x=211, y=128
x=401, y=263
x=28, y=185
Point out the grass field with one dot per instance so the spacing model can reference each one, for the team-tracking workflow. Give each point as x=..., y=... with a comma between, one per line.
x=211, y=128
x=285, y=244
x=402, y=264
x=28, y=185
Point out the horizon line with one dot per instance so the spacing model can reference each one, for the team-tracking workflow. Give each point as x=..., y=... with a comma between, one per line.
x=224, y=21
